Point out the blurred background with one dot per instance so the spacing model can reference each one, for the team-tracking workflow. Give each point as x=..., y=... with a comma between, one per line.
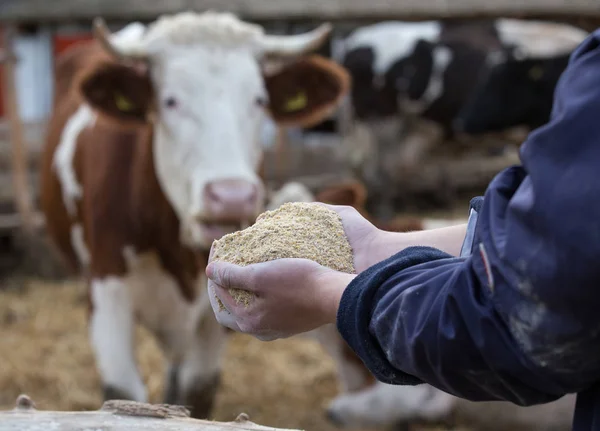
x=402, y=134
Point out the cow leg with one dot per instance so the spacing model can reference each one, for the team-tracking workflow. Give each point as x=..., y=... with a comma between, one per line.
x=111, y=333
x=194, y=375
x=187, y=332
x=383, y=405
x=199, y=373
x=352, y=373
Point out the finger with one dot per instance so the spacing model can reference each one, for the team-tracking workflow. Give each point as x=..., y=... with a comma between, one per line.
x=230, y=304
x=229, y=276
x=223, y=316
x=217, y=305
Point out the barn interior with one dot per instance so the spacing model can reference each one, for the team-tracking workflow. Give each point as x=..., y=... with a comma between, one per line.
x=44, y=347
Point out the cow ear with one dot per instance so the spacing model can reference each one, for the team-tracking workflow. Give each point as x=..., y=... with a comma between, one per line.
x=305, y=92
x=119, y=91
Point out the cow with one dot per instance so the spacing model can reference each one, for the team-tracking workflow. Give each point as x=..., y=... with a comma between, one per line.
x=517, y=89
x=411, y=80
x=152, y=153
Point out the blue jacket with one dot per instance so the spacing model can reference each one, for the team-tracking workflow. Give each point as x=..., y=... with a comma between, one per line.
x=517, y=316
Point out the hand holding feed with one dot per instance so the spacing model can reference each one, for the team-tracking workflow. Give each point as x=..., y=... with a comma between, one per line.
x=283, y=275
x=362, y=235
x=290, y=296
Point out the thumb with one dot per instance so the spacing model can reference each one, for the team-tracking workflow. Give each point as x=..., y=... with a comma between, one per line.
x=228, y=276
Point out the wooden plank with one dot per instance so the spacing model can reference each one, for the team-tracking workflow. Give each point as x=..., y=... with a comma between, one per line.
x=61, y=10
x=118, y=416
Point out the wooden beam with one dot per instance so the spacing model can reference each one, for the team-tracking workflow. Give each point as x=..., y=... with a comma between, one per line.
x=118, y=416
x=61, y=10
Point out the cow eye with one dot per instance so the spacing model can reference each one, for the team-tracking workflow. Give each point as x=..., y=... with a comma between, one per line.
x=170, y=102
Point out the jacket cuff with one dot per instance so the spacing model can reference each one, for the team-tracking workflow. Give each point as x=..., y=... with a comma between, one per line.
x=357, y=305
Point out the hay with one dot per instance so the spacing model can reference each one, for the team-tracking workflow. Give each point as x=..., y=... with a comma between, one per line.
x=45, y=352
x=294, y=230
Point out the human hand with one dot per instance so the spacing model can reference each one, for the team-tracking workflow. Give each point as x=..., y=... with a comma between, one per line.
x=292, y=296
x=364, y=237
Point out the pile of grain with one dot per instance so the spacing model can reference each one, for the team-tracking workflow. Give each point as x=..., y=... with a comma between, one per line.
x=294, y=230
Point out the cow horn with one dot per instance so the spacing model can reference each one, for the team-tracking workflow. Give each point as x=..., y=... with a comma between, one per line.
x=275, y=45
x=130, y=49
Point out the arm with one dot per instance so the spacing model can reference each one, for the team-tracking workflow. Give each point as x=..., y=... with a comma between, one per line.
x=448, y=239
x=372, y=245
x=518, y=318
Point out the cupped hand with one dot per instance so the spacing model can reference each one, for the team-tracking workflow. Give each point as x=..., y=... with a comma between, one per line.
x=292, y=296
x=363, y=236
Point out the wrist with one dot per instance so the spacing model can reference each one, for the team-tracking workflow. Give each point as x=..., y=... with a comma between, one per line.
x=330, y=287
x=384, y=245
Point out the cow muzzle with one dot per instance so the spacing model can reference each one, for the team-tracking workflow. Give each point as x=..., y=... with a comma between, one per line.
x=231, y=200
x=229, y=205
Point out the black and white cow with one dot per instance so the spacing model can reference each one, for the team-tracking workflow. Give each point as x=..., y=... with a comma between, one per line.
x=411, y=80
x=425, y=68
x=430, y=69
x=518, y=88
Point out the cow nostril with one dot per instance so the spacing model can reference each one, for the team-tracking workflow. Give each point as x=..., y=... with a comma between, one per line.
x=212, y=194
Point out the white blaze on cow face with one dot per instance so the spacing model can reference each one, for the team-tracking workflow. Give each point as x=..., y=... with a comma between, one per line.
x=207, y=134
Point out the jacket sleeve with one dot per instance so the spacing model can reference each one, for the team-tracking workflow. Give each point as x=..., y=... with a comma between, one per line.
x=517, y=316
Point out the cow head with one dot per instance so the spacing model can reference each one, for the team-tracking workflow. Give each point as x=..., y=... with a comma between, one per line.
x=518, y=86
x=205, y=82
x=514, y=92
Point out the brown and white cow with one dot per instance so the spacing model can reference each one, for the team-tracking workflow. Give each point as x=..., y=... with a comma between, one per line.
x=152, y=153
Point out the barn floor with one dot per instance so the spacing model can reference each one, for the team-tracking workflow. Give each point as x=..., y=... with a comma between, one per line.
x=44, y=352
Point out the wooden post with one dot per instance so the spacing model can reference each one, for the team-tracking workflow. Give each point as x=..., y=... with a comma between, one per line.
x=23, y=201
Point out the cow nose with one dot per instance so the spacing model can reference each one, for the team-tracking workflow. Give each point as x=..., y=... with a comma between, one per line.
x=231, y=199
